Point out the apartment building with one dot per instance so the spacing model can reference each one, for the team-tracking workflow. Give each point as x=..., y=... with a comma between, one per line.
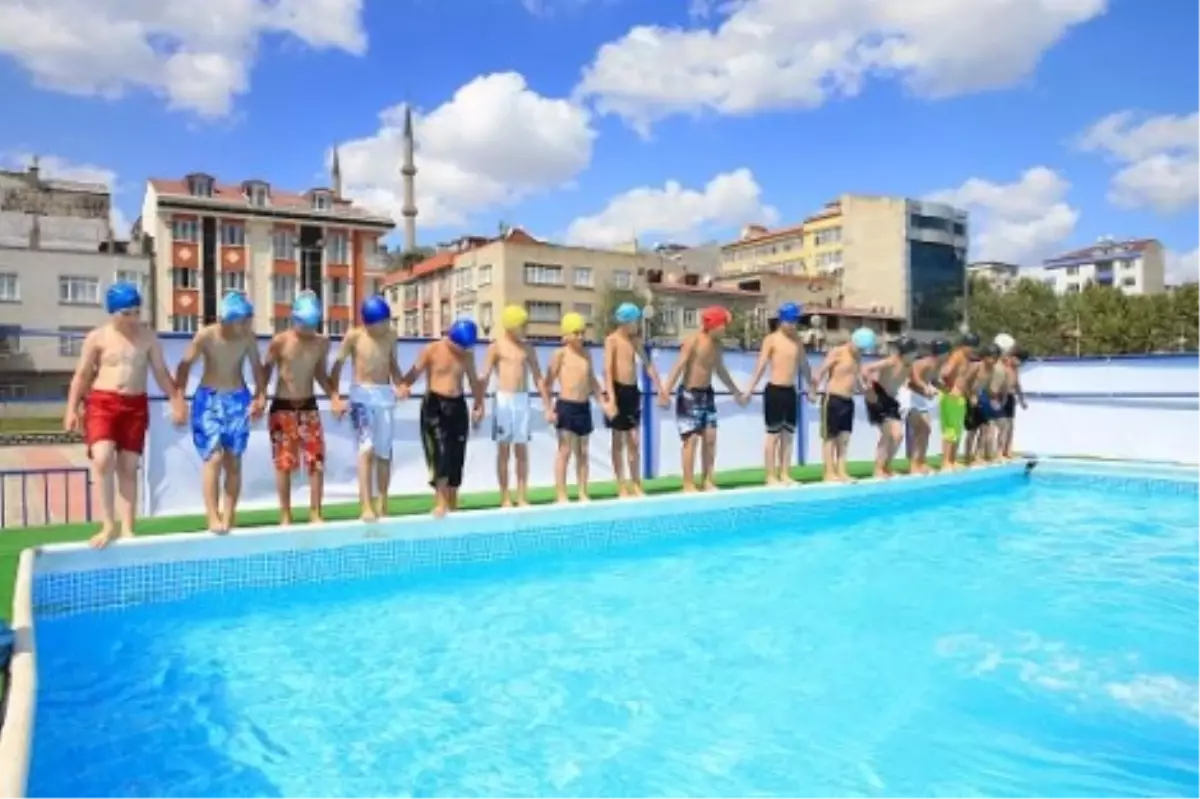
x=1001, y=276
x=891, y=256
x=476, y=277
x=57, y=260
x=210, y=237
x=1135, y=266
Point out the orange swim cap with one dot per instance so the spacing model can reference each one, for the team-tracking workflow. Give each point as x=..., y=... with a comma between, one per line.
x=714, y=317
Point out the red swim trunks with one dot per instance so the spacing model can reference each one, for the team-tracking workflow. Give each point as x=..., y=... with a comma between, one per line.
x=119, y=418
x=296, y=434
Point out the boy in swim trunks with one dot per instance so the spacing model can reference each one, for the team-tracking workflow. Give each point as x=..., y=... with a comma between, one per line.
x=623, y=348
x=924, y=399
x=1013, y=394
x=700, y=357
x=371, y=347
x=514, y=361
x=983, y=406
x=783, y=352
x=571, y=415
x=842, y=374
x=108, y=400
x=301, y=354
x=222, y=406
x=883, y=380
x=445, y=423
x=955, y=376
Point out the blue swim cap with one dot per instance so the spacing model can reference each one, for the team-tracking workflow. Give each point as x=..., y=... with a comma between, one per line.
x=235, y=308
x=790, y=312
x=122, y=296
x=627, y=313
x=863, y=339
x=464, y=333
x=375, y=310
x=306, y=310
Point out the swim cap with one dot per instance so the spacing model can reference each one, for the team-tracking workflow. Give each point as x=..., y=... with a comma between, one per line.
x=905, y=345
x=573, y=323
x=627, y=313
x=863, y=339
x=375, y=310
x=713, y=318
x=306, y=309
x=1005, y=342
x=235, y=308
x=789, y=313
x=513, y=317
x=122, y=296
x=463, y=333
x=969, y=340
x=939, y=346
x=991, y=351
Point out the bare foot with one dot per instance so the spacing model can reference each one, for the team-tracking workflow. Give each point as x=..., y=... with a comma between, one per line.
x=125, y=533
x=439, y=511
x=522, y=501
x=622, y=491
x=830, y=478
x=214, y=524
x=562, y=499
x=107, y=534
x=771, y=480
x=689, y=488
x=709, y=485
x=787, y=480
x=368, y=516
x=881, y=474
x=584, y=497
x=315, y=517
x=637, y=490
x=285, y=519
x=506, y=501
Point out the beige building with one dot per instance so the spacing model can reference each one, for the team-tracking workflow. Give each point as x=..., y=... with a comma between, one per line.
x=1001, y=276
x=888, y=256
x=57, y=260
x=210, y=237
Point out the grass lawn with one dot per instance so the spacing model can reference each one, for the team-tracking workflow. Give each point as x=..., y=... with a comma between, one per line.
x=12, y=541
x=30, y=424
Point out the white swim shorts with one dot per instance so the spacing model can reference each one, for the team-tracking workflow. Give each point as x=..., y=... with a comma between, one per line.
x=919, y=403
x=511, y=418
x=372, y=411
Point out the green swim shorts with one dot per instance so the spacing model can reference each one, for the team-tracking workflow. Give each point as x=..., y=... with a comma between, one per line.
x=954, y=416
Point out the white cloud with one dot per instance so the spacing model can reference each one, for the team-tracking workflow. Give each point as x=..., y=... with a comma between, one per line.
x=53, y=167
x=495, y=142
x=1159, y=158
x=197, y=54
x=797, y=54
x=1020, y=222
x=731, y=198
x=1183, y=267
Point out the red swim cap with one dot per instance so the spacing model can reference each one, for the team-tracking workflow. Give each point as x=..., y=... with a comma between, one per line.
x=714, y=317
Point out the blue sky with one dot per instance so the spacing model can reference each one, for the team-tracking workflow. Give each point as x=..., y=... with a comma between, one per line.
x=598, y=120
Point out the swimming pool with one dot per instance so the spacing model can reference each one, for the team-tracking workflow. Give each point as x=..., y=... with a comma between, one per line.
x=978, y=634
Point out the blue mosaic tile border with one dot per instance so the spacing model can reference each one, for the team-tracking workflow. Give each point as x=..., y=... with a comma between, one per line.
x=68, y=592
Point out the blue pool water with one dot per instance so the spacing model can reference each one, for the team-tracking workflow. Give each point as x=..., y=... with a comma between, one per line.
x=1038, y=639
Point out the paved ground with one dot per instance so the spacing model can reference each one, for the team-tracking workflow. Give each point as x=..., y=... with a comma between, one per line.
x=40, y=498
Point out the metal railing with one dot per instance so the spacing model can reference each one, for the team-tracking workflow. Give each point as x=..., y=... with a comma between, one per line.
x=33, y=497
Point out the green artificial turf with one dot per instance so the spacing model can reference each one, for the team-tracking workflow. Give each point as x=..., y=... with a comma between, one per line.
x=12, y=542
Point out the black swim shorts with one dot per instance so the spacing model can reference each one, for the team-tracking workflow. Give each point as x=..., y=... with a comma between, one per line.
x=779, y=408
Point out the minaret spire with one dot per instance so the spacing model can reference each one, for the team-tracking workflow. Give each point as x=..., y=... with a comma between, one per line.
x=409, y=171
x=335, y=173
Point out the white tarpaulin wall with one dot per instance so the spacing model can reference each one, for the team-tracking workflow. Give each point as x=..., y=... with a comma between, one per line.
x=1073, y=411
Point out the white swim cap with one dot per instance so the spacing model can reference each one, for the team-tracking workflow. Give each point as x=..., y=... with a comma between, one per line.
x=1005, y=342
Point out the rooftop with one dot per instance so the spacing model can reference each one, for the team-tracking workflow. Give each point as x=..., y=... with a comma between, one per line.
x=1101, y=249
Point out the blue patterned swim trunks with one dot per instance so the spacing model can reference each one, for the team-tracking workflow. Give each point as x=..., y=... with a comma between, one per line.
x=220, y=421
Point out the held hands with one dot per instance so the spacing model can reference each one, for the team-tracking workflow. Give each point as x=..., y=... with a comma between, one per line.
x=664, y=399
x=743, y=398
x=179, y=411
x=258, y=406
x=610, y=409
x=403, y=391
x=338, y=406
x=551, y=416
x=477, y=414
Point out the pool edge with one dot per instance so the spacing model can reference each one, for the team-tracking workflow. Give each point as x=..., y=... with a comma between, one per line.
x=16, y=728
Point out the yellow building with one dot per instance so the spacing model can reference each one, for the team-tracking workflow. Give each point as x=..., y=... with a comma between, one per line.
x=209, y=238
x=762, y=250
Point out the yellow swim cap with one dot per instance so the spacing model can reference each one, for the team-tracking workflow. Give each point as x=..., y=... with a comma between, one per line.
x=573, y=323
x=513, y=317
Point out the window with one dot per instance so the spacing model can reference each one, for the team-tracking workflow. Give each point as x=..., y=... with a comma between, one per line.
x=1073, y=288
x=443, y=285
x=1129, y=281
x=139, y=279
x=375, y=286
x=584, y=309
x=826, y=260
x=337, y=249
x=283, y=245
x=283, y=289
x=690, y=318
x=321, y=201
x=828, y=236
x=444, y=313
x=10, y=339
x=233, y=235
x=185, y=230
x=622, y=279
x=669, y=316
x=484, y=276
x=464, y=279
x=200, y=186
x=937, y=274
x=79, y=290
x=281, y=324
x=185, y=278
x=233, y=281
x=70, y=341
x=581, y=277
x=11, y=391
x=465, y=311
x=485, y=314
x=545, y=312
x=336, y=327
x=411, y=294
x=257, y=194
x=543, y=274
x=10, y=287
x=185, y=324
x=1072, y=271
x=410, y=323
x=338, y=291
x=427, y=322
